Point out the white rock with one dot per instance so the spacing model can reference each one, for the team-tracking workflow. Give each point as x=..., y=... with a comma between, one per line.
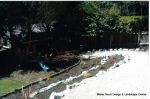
x=128, y=78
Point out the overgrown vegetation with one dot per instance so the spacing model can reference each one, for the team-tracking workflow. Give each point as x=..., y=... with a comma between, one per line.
x=72, y=19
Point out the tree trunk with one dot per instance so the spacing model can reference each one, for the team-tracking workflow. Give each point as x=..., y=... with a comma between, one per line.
x=29, y=31
x=12, y=39
x=120, y=38
x=111, y=40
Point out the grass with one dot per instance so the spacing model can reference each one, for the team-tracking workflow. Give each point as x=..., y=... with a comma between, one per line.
x=7, y=85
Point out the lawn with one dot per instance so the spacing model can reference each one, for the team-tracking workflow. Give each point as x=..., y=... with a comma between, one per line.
x=8, y=85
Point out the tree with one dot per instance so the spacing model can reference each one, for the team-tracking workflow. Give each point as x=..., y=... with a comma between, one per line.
x=134, y=8
x=100, y=19
x=9, y=18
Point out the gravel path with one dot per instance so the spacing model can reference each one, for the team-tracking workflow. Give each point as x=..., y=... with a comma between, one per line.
x=129, y=81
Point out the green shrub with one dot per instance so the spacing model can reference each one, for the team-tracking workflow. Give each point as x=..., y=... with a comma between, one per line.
x=87, y=75
x=134, y=23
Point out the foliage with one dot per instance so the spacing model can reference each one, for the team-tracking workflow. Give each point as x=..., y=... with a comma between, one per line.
x=82, y=63
x=68, y=23
x=132, y=8
x=135, y=23
x=87, y=75
x=129, y=19
x=89, y=63
x=72, y=19
x=98, y=19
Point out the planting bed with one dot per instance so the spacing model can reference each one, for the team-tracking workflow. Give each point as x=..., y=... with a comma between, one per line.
x=77, y=73
x=59, y=62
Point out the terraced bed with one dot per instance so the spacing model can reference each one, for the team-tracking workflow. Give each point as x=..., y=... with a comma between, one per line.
x=58, y=81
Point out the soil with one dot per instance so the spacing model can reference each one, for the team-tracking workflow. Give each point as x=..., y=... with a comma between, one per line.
x=57, y=63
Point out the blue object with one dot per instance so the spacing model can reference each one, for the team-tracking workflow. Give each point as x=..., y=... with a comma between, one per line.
x=42, y=64
x=22, y=36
